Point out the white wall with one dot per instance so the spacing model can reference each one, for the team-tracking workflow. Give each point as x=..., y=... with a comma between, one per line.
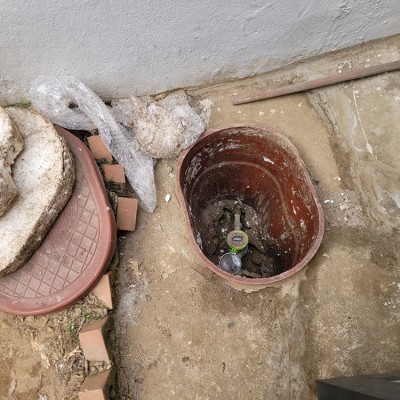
x=126, y=47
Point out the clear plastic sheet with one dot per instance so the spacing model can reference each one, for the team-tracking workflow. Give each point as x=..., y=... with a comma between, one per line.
x=68, y=102
x=164, y=128
x=135, y=130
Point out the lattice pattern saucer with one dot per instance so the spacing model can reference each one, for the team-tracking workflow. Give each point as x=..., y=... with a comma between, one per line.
x=76, y=251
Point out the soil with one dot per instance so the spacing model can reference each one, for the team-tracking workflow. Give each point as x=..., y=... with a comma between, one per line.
x=40, y=357
x=260, y=259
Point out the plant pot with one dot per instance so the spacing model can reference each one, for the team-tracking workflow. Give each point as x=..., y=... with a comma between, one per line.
x=259, y=168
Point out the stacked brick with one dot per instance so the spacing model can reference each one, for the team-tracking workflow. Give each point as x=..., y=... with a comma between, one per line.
x=93, y=337
x=126, y=206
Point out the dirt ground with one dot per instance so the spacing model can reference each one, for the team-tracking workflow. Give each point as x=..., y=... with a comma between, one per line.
x=40, y=357
x=183, y=333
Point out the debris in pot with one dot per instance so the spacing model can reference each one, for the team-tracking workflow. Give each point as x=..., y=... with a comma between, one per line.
x=262, y=257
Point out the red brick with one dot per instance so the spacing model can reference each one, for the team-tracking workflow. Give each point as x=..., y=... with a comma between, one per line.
x=103, y=291
x=114, y=173
x=126, y=213
x=98, y=148
x=92, y=338
x=97, y=387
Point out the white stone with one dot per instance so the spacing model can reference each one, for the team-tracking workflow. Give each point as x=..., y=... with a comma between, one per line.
x=44, y=176
x=11, y=144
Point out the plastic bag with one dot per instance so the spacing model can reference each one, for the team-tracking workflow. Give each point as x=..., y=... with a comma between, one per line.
x=56, y=98
x=123, y=109
x=68, y=102
x=164, y=128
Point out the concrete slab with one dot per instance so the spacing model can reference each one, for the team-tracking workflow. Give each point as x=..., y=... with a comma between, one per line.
x=183, y=334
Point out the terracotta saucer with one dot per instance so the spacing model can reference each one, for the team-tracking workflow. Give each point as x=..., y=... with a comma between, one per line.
x=76, y=251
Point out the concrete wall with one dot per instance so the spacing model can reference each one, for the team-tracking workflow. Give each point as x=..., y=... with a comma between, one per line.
x=148, y=46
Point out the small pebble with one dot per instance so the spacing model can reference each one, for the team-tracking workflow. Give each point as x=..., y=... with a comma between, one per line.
x=167, y=197
x=164, y=275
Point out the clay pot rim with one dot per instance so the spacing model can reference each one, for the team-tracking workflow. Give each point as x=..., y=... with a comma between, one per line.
x=263, y=282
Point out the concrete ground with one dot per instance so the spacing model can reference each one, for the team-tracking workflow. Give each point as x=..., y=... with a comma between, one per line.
x=182, y=333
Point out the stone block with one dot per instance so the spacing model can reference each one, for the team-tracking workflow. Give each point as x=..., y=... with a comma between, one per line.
x=126, y=213
x=98, y=148
x=97, y=387
x=93, y=340
x=114, y=173
x=103, y=290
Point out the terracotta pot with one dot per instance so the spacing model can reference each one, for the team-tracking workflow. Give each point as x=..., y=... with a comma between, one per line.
x=263, y=169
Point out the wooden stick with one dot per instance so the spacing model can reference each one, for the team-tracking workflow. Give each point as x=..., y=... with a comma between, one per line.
x=317, y=83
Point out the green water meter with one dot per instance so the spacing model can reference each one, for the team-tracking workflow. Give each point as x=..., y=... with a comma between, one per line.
x=237, y=240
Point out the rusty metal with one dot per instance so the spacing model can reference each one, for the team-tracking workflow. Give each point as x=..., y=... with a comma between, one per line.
x=317, y=83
